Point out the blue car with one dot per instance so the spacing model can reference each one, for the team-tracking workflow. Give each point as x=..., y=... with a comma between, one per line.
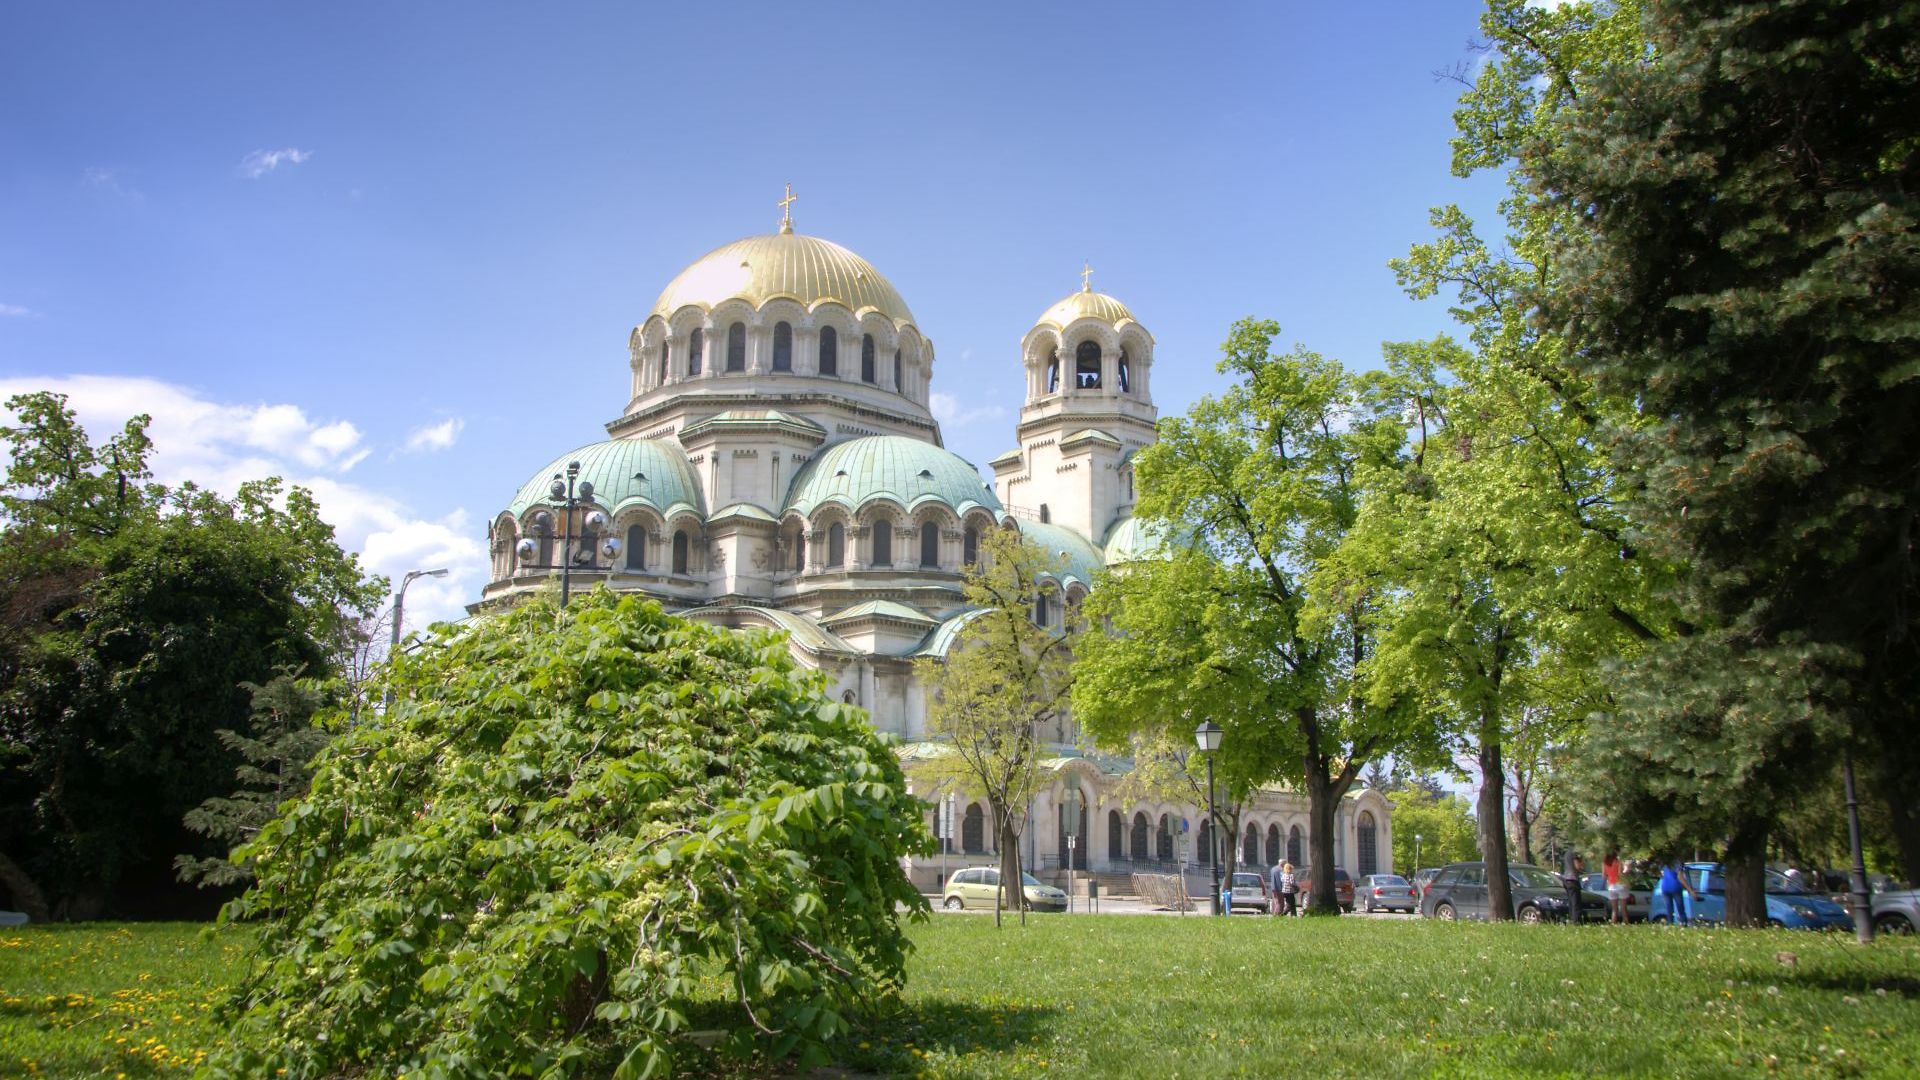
x=1787, y=904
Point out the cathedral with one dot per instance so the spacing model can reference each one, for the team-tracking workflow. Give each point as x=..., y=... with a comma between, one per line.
x=777, y=466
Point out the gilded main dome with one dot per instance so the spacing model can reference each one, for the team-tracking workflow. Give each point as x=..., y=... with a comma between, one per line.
x=1086, y=304
x=805, y=269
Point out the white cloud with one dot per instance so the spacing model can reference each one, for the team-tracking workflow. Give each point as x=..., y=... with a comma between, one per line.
x=947, y=409
x=261, y=162
x=219, y=446
x=109, y=181
x=440, y=436
x=14, y=311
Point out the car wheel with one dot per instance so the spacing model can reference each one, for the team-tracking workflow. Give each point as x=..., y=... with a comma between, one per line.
x=954, y=903
x=1529, y=914
x=1366, y=906
x=1893, y=923
x=1443, y=911
x=1776, y=924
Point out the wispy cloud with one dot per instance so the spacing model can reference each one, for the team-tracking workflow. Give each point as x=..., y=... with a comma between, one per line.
x=261, y=162
x=15, y=311
x=435, y=437
x=111, y=181
x=218, y=445
x=947, y=409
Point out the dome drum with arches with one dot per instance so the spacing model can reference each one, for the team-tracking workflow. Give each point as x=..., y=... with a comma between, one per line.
x=906, y=472
x=624, y=473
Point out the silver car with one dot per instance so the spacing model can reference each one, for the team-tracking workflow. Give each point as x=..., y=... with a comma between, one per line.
x=1386, y=892
x=1896, y=912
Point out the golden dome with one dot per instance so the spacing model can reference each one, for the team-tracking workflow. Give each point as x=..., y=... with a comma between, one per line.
x=1086, y=304
x=805, y=269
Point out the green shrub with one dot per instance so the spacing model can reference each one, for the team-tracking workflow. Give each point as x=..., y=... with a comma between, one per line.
x=569, y=832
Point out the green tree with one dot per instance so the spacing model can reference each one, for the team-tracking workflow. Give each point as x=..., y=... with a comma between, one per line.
x=570, y=829
x=1745, y=266
x=1444, y=824
x=1261, y=480
x=1004, y=678
x=132, y=617
x=275, y=753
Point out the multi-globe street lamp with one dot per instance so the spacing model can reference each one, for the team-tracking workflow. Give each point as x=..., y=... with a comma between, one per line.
x=1208, y=735
x=568, y=494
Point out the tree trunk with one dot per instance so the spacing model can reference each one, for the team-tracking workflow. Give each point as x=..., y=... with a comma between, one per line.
x=1492, y=812
x=26, y=892
x=1012, y=894
x=1523, y=818
x=1903, y=817
x=1746, y=874
x=1320, y=807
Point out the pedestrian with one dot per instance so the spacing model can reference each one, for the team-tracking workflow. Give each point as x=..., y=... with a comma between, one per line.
x=1673, y=887
x=1616, y=888
x=1576, y=868
x=1289, y=888
x=1277, y=905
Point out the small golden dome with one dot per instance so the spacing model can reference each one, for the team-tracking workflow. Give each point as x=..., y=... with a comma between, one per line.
x=1083, y=305
x=805, y=269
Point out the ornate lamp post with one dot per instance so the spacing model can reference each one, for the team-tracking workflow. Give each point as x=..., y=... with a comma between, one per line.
x=567, y=496
x=1208, y=735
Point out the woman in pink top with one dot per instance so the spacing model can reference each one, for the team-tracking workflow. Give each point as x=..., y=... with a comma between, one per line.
x=1616, y=889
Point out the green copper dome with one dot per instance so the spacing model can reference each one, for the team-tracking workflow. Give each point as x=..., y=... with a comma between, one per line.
x=1131, y=539
x=1063, y=544
x=624, y=472
x=906, y=471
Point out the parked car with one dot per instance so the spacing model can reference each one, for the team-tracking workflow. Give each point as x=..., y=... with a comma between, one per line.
x=1342, y=887
x=1386, y=892
x=977, y=886
x=1639, y=892
x=1896, y=912
x=1459, y=891
x=1249, y=891
x=1420, y=880
x=1788, y=904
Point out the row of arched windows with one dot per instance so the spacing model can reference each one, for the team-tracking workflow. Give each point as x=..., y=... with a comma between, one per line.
x=828, y=359
x=1087, y=370
x=881, y=545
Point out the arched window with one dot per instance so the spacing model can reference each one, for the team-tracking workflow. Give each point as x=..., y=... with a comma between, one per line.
x=1042, y=613
x=800, y=548
x=1053, y=374
x=1116, y=836
x=866, y=358
x=829, y=351
x=836, y=544
x=1046, y=515
x=680, y=552
x=1079, y=854
x=1137, y=846
x=636, y=547
x=737, y=347
x=1086, y=366
x=1368, y=844
x=973, y=830
x=1293, y=845
x=1204, y=848
x=586, y=544
x=1273, y=844
x=1126, y=374
x=883, y=541
x=1250, y=846
x=665, y=350
x=782, y=347
x=970, y=546
x=1163, y=845
x=693, y=351
x=897, y=384
x=929, y=544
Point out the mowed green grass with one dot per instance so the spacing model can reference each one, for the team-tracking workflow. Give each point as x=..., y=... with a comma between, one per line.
x=1142, y=996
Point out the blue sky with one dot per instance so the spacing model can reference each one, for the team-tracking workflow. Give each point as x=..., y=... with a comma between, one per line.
x=394, y=251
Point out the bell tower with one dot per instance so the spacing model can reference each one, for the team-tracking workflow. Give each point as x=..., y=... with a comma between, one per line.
x=1088, y=408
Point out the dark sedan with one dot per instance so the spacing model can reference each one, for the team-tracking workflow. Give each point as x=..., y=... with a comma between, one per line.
x=1459, y=891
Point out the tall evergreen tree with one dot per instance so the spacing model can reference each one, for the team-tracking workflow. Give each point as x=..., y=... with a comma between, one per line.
x=1744, y=266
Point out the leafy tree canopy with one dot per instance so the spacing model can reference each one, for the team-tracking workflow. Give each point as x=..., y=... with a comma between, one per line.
x=574, y=835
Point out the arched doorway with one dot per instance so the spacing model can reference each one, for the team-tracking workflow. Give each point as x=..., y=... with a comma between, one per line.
x=1250, y=846
x=1079, y=853
x=1205, y=845
x=1116, y=837
x=1163, y=845
x=1368, y=842
x=973, y=830
x=1273, y=845
x=1293, y=845
x=1140, y=849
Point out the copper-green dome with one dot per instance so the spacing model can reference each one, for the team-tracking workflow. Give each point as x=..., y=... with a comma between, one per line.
x=906, y=471
x=1131, y=539
x=624, y=472
x=1063, y=544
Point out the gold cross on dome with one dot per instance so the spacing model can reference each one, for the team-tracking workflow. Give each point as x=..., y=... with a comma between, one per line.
x=1086, y=276
x=786, y=211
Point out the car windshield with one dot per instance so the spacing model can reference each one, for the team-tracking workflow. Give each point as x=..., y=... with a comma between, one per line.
x=1532, y=877
x=1778, y=882
x=1028, y=879
x=1389, y=879
x=1246, y=881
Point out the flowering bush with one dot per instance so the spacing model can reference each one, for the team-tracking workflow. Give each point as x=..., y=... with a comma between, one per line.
x=569, y=832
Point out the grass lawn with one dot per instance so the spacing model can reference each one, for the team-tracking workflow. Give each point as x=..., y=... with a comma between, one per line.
x=1142, y=996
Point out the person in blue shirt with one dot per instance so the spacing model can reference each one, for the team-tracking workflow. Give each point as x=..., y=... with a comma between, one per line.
x=1674, y=888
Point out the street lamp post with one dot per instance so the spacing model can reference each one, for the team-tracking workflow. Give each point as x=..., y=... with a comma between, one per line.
x=1416, y=853
x=1208, y=735
x=567, y=493
x=400, y=597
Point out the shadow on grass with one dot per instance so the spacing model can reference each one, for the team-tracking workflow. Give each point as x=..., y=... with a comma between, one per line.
x=1859, y=982
x=897, y=1039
